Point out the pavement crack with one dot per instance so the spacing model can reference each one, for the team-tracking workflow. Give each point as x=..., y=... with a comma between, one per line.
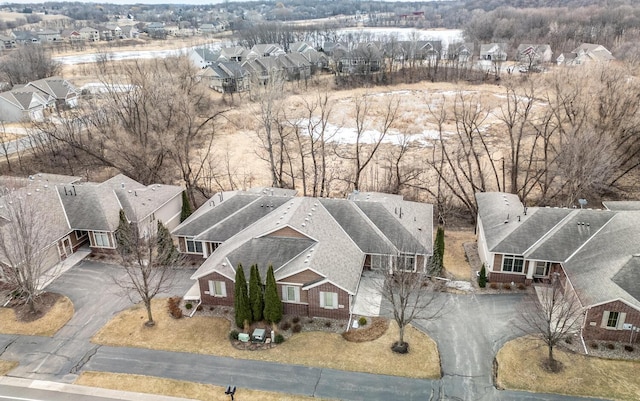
x=8, y=345
x=83, y=361
x=315, y=388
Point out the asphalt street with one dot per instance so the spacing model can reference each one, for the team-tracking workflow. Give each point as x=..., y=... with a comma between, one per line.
x=470, y=332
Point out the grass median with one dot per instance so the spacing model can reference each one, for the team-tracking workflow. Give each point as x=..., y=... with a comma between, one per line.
x=177, y=388
x=53, y=319
x=519, y=368
x=209, y=335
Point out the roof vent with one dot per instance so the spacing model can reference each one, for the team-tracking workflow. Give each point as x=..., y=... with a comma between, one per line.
x=304, y=225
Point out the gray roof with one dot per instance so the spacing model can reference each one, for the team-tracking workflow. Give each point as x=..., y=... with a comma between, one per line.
x=333, y=253
x=90, y=206
x=242, y=219
x=56, y=87
x=622, y=205
x=24, y=99
x=628, y=277
x=211, y=214
x=400, y=237
x=529, y=231
x=266, y=251
x=357, y=226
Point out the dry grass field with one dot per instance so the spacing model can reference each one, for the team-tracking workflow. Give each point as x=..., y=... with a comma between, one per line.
x=48, y=325
x=582, y=375
x=455, y=260
x=177, y=388
x=209, y=335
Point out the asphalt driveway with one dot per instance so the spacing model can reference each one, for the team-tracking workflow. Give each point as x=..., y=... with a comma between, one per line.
x=96, y=299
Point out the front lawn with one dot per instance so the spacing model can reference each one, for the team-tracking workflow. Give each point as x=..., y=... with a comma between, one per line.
x=56, y=311
x=519, y=368
x=209, y=335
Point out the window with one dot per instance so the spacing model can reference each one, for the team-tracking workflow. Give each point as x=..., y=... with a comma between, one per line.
x=194, y=246
x=328, y=300
x=290, y=293
x=511, y=263
x=612, y=321
x=217, y=289
x=101, y=240
x=406, y=263
x=81, y=235
x=542, y=268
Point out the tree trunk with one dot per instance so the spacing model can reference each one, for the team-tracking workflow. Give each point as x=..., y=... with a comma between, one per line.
x=150, y=321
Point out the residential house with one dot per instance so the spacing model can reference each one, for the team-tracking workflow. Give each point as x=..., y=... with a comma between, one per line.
x=263, y=70
x=89, y=34
x=23, y=104
x=130, y=32
x=493, y=52
x=586, y=53
x=366, y=58
x=207, y=29
x=295, y=66
x=267, y=50
x=533, y=57
x=318, y=60
x=227, y=77
x=77, y=213
x=93, y=209
x=58, y=88
x=7, y=42
x=594, y=254
x=25, y=37
x=155, y=28
x=234, y=53
x=462, y=53
x=71, y=35
x=172, y=30
x=202, y=57
x=318, y=247
x=48, y=35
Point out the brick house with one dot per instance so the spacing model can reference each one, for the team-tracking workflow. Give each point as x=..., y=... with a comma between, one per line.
x=318, y=247
x=595, y=254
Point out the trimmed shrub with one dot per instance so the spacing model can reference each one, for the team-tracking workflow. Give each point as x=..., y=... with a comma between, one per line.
x=241, y=299
x=272, y=301
x=493, y=286
x=328, y=323
x=173, y=304
x=594, y=345
x=611, y=346
x=296, y=319
x=309, y=320
x=233, y=335
x=362, y=321
x=199, y=308
x=628, y=348
x=521, y=286
x=278, y=339
x=188, y=305
x=506, y=286
x=482, y=279
x=285, y=325
x=256, y=298
x=297, y=328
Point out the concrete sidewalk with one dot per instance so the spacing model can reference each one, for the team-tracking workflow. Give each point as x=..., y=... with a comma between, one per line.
x=89, y=392
x=56, y=271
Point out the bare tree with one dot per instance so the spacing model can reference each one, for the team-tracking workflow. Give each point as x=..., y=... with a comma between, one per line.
x=410, y=294
x=148, y=258
x=368, y=142
x=28, y=63
x=551, y=316
x=25, y=245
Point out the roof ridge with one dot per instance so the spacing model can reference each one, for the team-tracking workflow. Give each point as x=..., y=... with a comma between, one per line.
x=550, y=232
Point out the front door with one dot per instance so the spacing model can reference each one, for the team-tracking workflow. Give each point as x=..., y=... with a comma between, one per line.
x=542, y=268
x=65, y=248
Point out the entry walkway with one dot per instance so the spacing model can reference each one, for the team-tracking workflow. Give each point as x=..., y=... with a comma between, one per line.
x=368, y=298
x=56, y=271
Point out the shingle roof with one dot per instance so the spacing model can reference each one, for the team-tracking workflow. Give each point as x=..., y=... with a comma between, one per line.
x=622, y=205
x=211, y=214
x=56, y=87
x=90, y=207
x=265, y=251
x=391, y=227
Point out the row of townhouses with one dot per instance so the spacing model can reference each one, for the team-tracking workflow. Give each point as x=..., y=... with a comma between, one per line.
x=31, y=102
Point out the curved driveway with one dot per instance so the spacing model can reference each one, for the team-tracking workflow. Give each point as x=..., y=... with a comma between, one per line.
x=468, y=337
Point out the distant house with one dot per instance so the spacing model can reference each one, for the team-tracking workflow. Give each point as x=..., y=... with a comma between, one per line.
x=493, y=52
x=172, y=30
x=586, y=53
x=366, y=58
x=130, y=32
x=318, y=60
x=295, y=66
x=25, y=37
x=227, y=77
x=71, y=35
x=89, y=34
x=263, y=70
x=7, y=42
x=532, y=57
x=593, y=254
x=461, y=52
x=267, y=50
x=63, y=92
x=202, y=58
x=318, y=247
x=23, y=104
x=49, y=35
x=234, y=53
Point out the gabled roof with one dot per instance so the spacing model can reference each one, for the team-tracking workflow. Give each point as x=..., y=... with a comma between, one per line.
x=206, y=54
x=25, y=99
x=332, y=234
x=56, y=87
